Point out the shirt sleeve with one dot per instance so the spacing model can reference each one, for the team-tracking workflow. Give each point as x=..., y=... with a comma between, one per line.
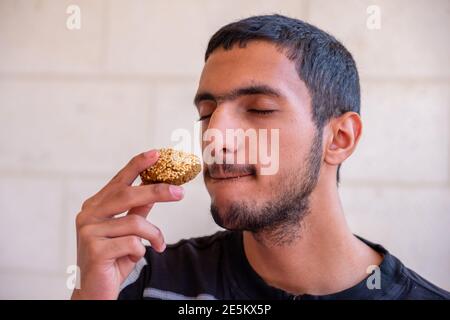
x=133, y=286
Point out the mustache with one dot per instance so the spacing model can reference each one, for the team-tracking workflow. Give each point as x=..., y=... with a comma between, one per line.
x=241, y=169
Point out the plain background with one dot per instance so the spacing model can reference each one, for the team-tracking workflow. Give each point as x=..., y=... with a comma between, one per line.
x=75, y=105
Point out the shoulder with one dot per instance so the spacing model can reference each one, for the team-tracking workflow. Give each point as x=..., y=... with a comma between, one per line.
x=400, y=282
x=418, y=288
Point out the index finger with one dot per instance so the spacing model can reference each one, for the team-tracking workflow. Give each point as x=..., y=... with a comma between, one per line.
x=136, y=165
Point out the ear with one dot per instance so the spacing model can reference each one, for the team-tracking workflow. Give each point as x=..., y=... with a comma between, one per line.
x=342, y=136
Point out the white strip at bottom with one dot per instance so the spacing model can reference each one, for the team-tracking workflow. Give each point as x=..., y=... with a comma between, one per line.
x=169, y=295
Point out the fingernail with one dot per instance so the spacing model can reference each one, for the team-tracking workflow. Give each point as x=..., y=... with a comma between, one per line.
x=151, y=153
x=176, y=191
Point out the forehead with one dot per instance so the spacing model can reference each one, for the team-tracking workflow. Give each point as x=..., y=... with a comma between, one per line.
x=258, y=62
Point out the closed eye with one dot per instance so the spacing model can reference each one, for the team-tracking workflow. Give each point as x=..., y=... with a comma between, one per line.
x=261, y=111
x=257, y=111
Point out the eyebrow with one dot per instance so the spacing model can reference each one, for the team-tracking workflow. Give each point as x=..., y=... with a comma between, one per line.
x=236, y=93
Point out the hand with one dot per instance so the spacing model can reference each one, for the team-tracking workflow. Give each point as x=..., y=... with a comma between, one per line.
x=109, y=247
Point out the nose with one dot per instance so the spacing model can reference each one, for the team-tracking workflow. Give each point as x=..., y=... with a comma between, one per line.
x=222, y=119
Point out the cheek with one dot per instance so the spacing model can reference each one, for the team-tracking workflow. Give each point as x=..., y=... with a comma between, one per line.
x=294, y=144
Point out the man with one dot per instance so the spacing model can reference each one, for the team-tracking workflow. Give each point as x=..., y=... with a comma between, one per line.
x=286, y=236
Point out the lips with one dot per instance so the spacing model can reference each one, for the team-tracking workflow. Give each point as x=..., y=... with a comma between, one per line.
x=229, y=176
x=229, y=172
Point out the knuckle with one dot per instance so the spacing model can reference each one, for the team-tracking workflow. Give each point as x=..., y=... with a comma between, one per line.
x=135, y=242
x=92, y=201
x=125, y=194
x=84, y=232
x=141, y=251
x=86, y=203
x=81, y=220
x=160, y=189
x=135, y=222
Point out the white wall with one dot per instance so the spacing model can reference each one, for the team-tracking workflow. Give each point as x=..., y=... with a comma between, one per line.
x=76, y=105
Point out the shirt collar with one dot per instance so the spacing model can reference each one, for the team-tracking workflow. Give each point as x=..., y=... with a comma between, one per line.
x=247, y=284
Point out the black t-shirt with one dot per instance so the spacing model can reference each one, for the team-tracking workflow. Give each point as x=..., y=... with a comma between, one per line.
x=215, y=267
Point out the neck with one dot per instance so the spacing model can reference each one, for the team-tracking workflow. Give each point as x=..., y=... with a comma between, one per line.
x=325, y=258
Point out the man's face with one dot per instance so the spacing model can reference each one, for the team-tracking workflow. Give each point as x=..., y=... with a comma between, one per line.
x=257, y=87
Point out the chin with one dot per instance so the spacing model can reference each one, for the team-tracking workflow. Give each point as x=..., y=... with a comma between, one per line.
x=230, y=190
x=220, y=215
x=224, y=198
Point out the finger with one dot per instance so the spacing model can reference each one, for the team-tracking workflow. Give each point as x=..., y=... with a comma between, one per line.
x=120, y=247
x=136, y=165
x=126, y=226
x=131, y=197
x=141, y=211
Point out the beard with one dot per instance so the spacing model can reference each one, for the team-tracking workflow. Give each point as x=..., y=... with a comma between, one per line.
x=276, y=220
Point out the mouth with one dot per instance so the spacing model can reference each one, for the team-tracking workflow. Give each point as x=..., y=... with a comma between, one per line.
x=230, y=177
x=228, y=173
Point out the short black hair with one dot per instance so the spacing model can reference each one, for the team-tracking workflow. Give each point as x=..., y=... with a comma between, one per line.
x=322, y=62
